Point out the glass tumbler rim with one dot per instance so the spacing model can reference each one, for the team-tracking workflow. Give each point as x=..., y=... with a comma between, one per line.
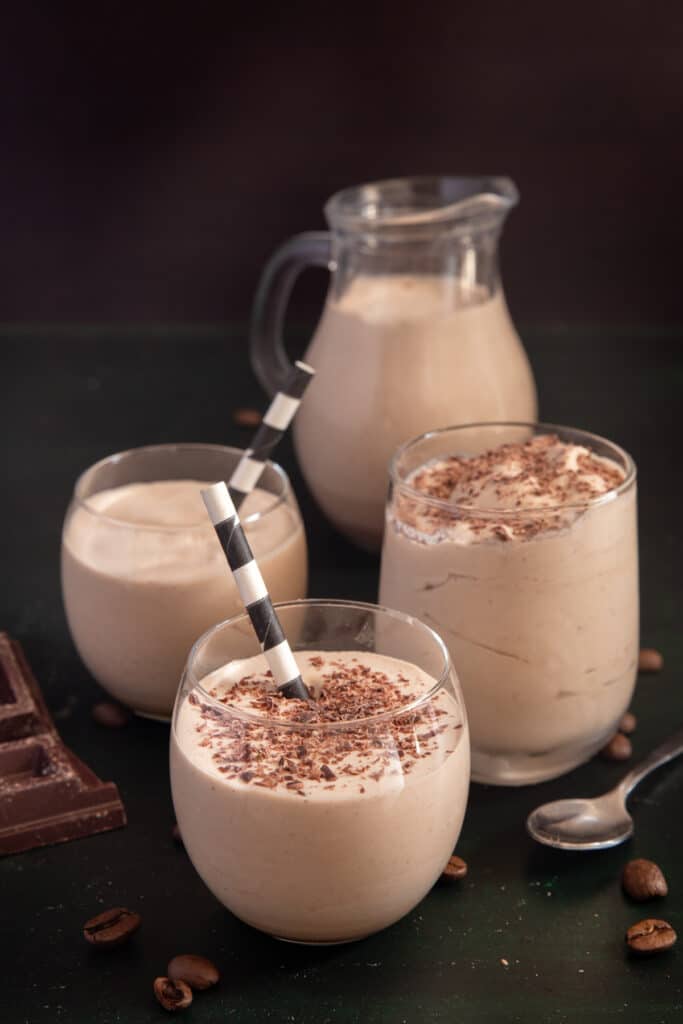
x=279, y=497
x=307, y=727
x=457, y=509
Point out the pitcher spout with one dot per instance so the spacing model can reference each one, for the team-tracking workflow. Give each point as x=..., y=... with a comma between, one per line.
x=475, y=201
x=462, y=203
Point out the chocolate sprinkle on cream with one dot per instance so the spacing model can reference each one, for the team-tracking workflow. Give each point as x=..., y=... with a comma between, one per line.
x=528, y=483
x=294, y=748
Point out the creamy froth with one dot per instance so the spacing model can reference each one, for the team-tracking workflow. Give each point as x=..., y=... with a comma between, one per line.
x=353, y=690
x=544, y=476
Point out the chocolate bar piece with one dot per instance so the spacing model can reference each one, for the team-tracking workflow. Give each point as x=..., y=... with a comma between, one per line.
x=47, y=795
x=20, y=715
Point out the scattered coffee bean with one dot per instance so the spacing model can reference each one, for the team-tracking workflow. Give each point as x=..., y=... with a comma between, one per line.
x=455, y=869
x=650, y=936
x=246, y=417
x=643, y=879
x=198, y=972
x=111, y=715
x=650, y=660
x=628, y=723
x=618, y=749
x=111, y=928
x=173, y=995
x=175, y=832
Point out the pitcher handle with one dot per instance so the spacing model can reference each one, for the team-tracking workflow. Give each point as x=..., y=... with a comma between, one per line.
x=269, y=359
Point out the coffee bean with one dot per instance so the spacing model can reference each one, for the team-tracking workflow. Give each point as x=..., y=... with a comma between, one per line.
x=455, y=869
x=198, y=972
x=173, y=995
x=643, y=879
x=246, y=417
x=650, y=936
x=618, y=749
x=650, y=660
x=111, y=928
x=628, y=723
x=111, y=715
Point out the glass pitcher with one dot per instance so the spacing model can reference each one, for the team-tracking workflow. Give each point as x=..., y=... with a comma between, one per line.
x=415, y=333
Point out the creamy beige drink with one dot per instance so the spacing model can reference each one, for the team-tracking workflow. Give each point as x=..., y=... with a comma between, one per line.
x=525, y=560
x=322, y=821
x=397, y=355
x=143, y=576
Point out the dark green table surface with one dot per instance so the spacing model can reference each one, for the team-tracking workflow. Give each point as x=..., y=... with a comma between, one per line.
x=531, y=935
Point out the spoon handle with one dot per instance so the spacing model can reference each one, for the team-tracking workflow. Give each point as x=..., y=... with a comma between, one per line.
x=671, y=748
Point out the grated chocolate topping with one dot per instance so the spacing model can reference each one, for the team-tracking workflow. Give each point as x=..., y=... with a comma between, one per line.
x=306, y=752
x=522, y=488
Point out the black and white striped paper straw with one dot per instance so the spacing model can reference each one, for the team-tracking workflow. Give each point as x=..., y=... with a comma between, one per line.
x=280, y=414
x=253, y=592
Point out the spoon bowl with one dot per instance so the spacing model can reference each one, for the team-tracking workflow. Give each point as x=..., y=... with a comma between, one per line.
x=600, y=822
x=581, y=824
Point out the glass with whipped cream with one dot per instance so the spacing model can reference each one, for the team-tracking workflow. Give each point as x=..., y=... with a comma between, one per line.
x=143, y=574
x=321, y=821
x=522, y=554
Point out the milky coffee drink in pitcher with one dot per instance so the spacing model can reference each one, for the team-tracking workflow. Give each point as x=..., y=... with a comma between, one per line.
x=415, y=334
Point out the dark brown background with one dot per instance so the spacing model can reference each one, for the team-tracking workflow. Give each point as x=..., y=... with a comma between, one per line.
x=152, y=159
x=148, y=165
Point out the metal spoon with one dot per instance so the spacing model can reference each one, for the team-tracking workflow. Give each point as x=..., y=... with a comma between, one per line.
x=600, y=822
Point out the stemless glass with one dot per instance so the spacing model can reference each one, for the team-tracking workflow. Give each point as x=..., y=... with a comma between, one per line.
x=140, y=587
x=541, y=620
x=363, y=838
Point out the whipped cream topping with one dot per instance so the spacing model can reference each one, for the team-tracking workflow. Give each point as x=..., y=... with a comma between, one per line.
x=542, y=477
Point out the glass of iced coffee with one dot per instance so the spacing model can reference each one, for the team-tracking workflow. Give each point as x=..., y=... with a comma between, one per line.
x=143, y=574
x=523, y=556
x=321, y=821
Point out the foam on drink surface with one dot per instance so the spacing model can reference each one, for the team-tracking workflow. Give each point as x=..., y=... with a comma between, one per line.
x=250, y=735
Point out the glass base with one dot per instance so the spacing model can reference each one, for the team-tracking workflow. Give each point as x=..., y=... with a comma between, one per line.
x=529, y=769
x=312, y=942
x=166, y=719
